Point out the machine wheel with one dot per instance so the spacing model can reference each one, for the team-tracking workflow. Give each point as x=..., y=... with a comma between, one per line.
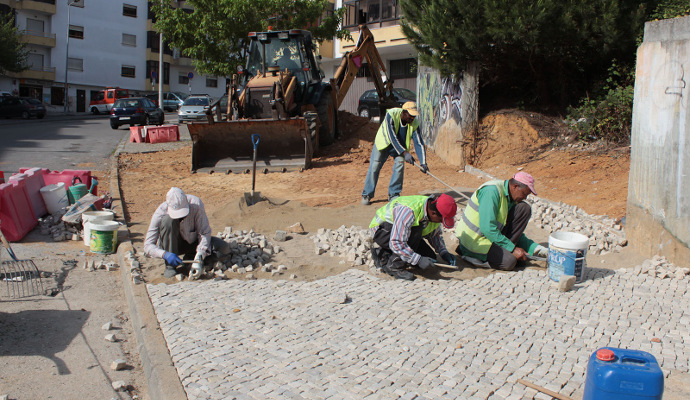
x=364, y=113
x=328, y=115
x=94, y=111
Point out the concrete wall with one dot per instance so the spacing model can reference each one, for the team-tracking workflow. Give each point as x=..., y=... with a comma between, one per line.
x=440, y=111
x=658, y=217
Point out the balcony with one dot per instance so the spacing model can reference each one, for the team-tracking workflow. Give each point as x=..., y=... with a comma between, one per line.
x=41, y=6
x=43, y=39
x=37, y=73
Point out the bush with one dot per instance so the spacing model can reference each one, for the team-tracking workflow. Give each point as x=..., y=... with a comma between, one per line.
x=608, y=117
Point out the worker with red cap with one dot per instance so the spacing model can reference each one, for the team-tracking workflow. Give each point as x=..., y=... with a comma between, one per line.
x=400, y=226
x=493, y=225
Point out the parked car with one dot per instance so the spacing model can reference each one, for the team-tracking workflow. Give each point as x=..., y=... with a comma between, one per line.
x=194, y=109
x=153, y=98
x=104, y=99
x=36, y=107
x=172, y=101
x=11, y=106
x=135, y=111
x=368, y=105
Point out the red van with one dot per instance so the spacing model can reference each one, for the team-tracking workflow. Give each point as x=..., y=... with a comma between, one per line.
x=105, y=98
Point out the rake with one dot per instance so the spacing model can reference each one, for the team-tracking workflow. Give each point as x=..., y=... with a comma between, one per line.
x=21, y=278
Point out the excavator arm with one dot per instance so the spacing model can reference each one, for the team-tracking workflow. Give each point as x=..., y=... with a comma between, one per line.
x=352, y=63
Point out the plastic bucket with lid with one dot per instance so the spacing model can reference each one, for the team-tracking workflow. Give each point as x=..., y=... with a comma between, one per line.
x=94, y=216
x=55, y=197
x=103, y=238
x=567, y=252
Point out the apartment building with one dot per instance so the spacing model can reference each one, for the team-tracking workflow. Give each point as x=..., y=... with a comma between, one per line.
x=93, y=44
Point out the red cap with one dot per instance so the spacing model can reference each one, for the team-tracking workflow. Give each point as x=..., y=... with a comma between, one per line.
x=447, y=207
x=526, y=179
x=605, y=355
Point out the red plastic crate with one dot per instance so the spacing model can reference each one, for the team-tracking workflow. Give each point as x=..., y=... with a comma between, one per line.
x=16, y=215
x=163, y=133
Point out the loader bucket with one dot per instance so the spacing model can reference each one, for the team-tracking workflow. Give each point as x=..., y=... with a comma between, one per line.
x=226, y=147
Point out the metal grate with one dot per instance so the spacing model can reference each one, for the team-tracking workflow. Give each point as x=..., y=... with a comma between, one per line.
x=20, y=279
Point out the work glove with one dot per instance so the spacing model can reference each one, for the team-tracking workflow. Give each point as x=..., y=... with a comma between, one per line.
x=541, y=251
x=172, y=259
x=448, y=258
x=425, y=262
x=408, y=157
x=197, y=267
x=424, y=168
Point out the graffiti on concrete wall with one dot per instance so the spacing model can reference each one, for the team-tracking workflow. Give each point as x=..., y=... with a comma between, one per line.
x=438, y=101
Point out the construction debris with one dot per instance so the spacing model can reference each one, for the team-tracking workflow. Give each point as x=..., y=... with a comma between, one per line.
x=353, y=244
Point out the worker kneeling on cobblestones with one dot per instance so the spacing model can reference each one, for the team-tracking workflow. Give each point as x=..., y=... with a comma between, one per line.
x=400, y=226
x=179, y=227
x=491, y=229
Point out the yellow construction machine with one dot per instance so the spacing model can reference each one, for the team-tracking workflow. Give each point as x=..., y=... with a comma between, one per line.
x=280, y=95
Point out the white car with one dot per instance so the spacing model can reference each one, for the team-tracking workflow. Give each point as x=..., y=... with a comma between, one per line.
x=194, y=109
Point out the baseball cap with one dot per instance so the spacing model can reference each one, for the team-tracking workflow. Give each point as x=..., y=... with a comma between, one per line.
x=178, y=205
x=447, y=207
x=411, y=107
x=525, y=178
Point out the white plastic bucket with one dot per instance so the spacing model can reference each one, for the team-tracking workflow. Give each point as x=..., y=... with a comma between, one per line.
x=567, y=253
x=94, y=216
x=103, y=238
x=55, y=197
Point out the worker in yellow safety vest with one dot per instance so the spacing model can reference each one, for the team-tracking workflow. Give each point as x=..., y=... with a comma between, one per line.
x=493, y=225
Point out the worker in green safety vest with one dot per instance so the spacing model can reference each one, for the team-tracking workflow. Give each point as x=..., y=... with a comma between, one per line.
x=400, y=226
x=492, y=228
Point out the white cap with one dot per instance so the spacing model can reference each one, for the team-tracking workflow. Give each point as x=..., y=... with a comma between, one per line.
x=178, y=205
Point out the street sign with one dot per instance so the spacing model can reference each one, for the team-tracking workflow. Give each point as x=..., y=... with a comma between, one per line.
x=154, y=75
x=190, y=75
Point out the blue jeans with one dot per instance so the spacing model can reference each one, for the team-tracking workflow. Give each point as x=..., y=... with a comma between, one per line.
x=376, y=162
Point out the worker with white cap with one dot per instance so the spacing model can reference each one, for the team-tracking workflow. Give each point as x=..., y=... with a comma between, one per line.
x=493, y=225
x=399, y=128
x=179, y=227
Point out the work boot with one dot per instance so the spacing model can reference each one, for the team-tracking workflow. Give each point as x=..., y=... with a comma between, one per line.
x=366, y=200
x=169, y=271
x=395, y=267
x=391, y=198
x=380, y=257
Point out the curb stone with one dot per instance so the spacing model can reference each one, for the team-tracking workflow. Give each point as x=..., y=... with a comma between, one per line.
x=163, y=382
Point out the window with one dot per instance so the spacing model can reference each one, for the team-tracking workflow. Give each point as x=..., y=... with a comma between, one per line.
x=76, y=32
x=212, y=82
x=96, y=95
x=34, y=26
x=405, y=68
x=183, y=80
x=129, y=10
x=75, y=64
x=128, y=71
x=35, y=61
x=129, y=40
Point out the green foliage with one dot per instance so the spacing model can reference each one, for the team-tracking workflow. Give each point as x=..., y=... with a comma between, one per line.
x=608, y=117
x=543, y=51
x=12, y=51
x=671, y=9
x=214, y=34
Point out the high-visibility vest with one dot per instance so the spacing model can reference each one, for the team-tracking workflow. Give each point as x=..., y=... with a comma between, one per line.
x=381, y=141
x=416, y=203
x=467, y=230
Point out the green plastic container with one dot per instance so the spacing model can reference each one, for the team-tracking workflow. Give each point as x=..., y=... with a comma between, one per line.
x=76, y=192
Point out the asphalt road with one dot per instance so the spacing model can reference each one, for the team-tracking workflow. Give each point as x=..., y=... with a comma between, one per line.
x=59, y=142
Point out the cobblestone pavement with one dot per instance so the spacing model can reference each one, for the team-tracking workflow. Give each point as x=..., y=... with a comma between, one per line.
x=355, y=336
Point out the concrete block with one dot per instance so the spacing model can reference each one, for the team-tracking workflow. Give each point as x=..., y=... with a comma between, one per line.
x=118, y=365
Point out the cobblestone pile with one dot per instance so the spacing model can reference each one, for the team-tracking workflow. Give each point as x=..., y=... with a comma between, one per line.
x=245, y=251
x=659, y=267
x=353, y=244
x=354, y=335
x=605, y=235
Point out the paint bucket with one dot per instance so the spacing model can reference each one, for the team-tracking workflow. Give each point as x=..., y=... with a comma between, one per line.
x=103, y=238
x=567, y=252
x=55, y=197
x=94, y=216
x=76, y=192
x=623, y=374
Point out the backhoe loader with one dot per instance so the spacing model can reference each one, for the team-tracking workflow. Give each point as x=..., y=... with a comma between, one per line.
x=280, y=95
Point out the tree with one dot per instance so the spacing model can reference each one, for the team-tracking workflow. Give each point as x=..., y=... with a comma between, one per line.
x=544, y=51
x=214, y=33
x=12, y=51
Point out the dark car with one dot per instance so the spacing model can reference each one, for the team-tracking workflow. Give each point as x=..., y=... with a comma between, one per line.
x=36, y=107
x=11, y=106
x=368, y=105
x=135, y=111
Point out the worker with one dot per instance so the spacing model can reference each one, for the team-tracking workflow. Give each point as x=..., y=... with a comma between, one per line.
x=493, y=225
x=400, y=226
x=179, y=226
x=399, y=127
